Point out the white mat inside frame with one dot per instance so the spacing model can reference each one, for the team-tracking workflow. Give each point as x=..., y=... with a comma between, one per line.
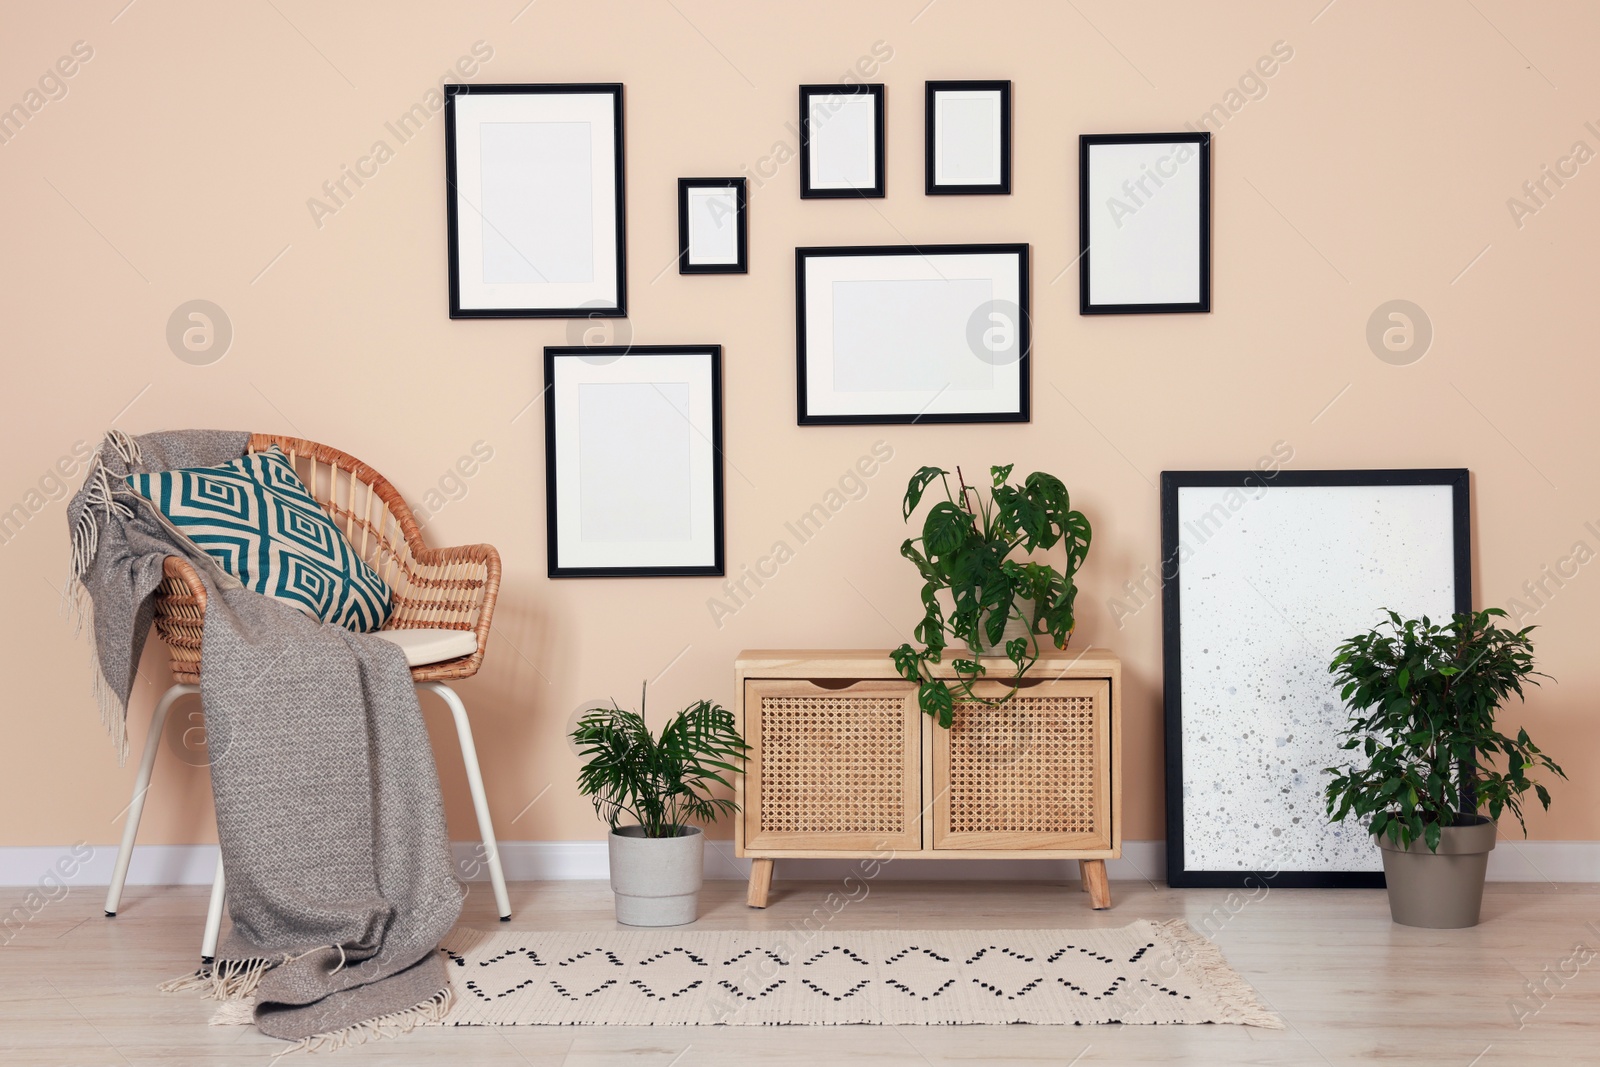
x=1146, y=972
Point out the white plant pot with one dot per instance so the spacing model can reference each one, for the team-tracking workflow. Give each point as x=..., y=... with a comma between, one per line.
x=1015, y=628
x=656, y=880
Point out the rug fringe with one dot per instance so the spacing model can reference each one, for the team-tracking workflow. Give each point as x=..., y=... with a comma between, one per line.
x=430, y=1012
x=1236, y=1001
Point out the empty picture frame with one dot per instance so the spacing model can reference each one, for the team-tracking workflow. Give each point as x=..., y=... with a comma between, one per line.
x=1144, y=223
x=712, y=237
x=968, y=137
x=841, y=141
x=1264, y=574
x=533, y=175
x=633, y=460
x=893, y=334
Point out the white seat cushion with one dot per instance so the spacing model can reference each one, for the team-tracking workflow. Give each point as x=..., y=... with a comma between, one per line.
x=431, y=646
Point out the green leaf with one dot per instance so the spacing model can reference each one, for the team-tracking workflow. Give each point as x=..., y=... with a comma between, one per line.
x=935, y=700
x=946, y=529
x=916, y=486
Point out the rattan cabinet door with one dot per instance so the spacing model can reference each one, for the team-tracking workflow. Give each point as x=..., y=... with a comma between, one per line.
x=1032, y=773
x=832, y=768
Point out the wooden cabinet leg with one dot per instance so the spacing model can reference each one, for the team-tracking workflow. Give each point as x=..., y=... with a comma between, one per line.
x=760, y=883
x=1096, y=882
x=1083, y=876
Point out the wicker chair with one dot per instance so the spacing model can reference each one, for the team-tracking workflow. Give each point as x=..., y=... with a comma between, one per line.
x=441, y=595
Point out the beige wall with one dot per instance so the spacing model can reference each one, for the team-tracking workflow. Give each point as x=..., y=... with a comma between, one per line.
x=1377, y=165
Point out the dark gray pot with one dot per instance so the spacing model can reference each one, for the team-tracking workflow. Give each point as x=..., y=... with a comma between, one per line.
x=1442, y=890
x=657, y=879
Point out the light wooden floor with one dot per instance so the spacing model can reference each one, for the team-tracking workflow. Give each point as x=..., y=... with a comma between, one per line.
x=78, y=989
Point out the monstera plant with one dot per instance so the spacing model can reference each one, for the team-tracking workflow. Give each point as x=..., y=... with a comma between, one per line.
x=981, y=585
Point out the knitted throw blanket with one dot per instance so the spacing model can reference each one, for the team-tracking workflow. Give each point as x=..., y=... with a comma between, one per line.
x=339, y=876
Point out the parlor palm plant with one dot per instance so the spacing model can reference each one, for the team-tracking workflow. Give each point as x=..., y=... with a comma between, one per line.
x=664, y=782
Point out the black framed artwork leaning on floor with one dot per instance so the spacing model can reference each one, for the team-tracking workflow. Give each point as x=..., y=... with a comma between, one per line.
x=1264, y=573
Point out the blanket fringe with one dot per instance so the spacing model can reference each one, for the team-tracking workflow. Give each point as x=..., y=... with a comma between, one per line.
x=430, y=1012
x=1235, y=1000
x=224, y=980
x=98, y=494
x=235, y=1013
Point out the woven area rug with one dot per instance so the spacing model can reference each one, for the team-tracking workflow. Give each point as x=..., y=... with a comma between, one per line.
x=1147, y=972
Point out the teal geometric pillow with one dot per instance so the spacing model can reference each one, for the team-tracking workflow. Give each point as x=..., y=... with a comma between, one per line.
x=255, y=517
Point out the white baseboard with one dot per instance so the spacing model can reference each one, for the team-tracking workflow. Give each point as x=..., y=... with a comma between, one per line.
x=1511, y=861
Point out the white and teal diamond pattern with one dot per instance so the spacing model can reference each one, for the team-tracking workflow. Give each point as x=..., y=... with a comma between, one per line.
x=255, y=517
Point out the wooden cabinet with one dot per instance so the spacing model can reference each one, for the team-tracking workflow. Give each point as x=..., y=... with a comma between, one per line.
x=843, y=764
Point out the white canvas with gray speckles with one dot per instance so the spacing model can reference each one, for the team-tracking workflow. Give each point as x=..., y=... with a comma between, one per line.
x=1269, y=585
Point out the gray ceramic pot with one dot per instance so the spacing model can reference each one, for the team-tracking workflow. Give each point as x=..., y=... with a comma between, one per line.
x=657, y=879
x=1442, y=890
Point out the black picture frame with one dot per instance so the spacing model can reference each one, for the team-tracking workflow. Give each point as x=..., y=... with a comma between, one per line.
x=454, y=93
x=931, y=138
x=1087, y=194
x=874, y=191
x=1022, y=411
x=686, y=265
x=601, y=356
x=1250, y=482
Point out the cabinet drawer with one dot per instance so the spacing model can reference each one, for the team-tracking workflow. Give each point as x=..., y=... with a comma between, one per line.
x=1032, y=773
x=832, y=767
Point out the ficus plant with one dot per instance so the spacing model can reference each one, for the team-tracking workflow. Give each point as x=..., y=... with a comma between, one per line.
x=1423, y=698
x=663, y=781
x=975, y=550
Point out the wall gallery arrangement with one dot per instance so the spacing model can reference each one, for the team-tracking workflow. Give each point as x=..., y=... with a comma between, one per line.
x=941, y=333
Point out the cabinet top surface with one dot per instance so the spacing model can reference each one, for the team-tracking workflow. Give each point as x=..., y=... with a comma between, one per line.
x=764, y=658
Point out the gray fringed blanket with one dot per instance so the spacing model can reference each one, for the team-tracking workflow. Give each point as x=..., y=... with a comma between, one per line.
x=333, y=839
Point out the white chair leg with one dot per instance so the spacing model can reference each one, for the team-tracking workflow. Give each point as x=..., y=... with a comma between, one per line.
x=208, y=946
x=480, y=803
x=141, y=786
